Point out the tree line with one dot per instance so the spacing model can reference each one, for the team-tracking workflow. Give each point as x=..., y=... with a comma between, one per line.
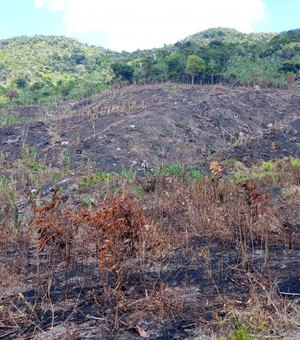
x=43, y=68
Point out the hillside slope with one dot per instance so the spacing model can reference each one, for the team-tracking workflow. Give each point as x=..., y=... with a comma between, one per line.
x=47, y=68
x=151, y=125
x=97, y=239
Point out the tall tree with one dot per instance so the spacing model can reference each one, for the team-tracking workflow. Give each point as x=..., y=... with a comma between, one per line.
x=194, y=65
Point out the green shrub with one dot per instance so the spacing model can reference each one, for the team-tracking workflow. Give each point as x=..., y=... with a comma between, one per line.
x=93, y=179
x=171, y=169
x=8, y=120
x=194, y=173
x=295, y=162
x=242, y=333
x=127, y=174
x=266, y=166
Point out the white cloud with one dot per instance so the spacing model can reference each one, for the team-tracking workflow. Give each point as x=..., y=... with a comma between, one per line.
x=133, y=24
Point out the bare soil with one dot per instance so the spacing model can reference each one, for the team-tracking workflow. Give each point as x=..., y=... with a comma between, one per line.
x=162, y=124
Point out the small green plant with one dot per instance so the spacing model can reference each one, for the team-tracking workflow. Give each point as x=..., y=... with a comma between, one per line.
x=295, y=162
x=194, y=173
x=127, y=174
x=266, y=166
x=56, y=175
x=229, y=161
x=67, y=162
x=29, y=153
x=86, y=201
x=171, y=169
x=29, y=159
x=1, y=157
x=138, y=190
x=242, y=333
x=94, y=179
x=8, y=120
x=149, y=174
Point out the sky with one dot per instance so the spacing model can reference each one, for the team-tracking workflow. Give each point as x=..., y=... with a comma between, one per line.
x=141, y=24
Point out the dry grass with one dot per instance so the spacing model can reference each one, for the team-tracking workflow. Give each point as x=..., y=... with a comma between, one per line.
x=182, y=252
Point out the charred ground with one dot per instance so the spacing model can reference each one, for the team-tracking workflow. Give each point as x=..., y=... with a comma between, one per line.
x=168, y=211
x=160, y=124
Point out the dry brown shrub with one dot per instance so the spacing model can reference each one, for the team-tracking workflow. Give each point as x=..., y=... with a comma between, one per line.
x=51, y=225
x=115, y=229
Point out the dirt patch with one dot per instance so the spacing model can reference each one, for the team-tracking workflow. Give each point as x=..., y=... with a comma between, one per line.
x=163, y=124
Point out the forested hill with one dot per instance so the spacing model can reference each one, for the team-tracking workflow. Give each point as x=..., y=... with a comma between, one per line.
x=47, y=68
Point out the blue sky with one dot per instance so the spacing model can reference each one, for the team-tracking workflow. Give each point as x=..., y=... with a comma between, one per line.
x=281, y=15
x=132, y=24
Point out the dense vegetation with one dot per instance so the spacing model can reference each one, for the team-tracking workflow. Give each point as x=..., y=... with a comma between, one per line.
x=45, y=68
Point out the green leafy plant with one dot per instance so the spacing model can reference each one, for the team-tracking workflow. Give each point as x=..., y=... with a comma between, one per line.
x=266, y=166
x=138, y=190
x=242, y=333
x=67, y=161
x=127, y=174
x=194, y=66
x=93, y=179
x=194, y=173
x=29, y=159
x=8, y=120
x=295, y=162
x=171, y=169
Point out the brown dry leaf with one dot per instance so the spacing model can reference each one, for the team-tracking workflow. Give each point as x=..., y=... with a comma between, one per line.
x=141, y=331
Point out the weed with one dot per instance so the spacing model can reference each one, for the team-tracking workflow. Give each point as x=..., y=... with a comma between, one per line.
x=8, y=120
x=1, y=158
x=139, y=190
x=229, y=161
x=295, y=162
x=94, y=179
x=149, y=174
x=194, y=173
x=171, y=169
x=56, y=175
x=67, y=162
x=143, y=256
x=29, y=159
x=266, y=166
x=127, y=174
x=242, y=333
x=86, y=201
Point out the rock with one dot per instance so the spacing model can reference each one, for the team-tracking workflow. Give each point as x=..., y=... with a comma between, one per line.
x=245, y=159
x=74, y=187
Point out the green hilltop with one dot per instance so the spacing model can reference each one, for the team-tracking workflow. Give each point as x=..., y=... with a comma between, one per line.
x=46, y=68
